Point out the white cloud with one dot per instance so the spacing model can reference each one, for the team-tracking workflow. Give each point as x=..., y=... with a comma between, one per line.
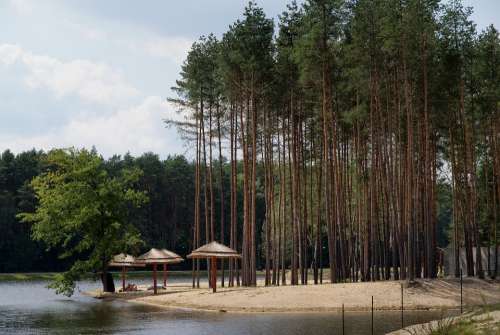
x=174, y=48
x=9, y=54
x=22, y=6
x=92, y=82
x=137, y=129
x=87, y=31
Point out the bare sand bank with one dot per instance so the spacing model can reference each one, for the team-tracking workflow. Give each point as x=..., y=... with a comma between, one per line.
x=424, y=294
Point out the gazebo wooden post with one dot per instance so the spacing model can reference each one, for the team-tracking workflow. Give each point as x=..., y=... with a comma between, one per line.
x=209, y=271
x=165, y=275
x=214, y=274
x=123, y=278
x=154, y=278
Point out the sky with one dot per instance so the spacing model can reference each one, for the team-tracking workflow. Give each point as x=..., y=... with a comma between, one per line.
x=86, y=73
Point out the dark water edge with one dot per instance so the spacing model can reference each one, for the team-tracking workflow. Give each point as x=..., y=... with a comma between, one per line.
x=30, y=308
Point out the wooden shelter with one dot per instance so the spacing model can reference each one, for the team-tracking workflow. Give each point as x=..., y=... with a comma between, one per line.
x=124, y=261
x=212, y=251
x=159, y=256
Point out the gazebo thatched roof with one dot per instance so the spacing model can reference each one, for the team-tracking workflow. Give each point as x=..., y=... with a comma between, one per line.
x=124, y=260
x=159, y=256
x=214, y=249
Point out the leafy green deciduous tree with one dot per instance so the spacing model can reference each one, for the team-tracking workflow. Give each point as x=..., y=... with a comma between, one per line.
x=83, y=209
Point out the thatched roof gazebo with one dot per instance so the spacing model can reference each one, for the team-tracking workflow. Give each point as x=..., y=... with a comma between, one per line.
x=124, y=261
x=214, y=250
x=159, y=256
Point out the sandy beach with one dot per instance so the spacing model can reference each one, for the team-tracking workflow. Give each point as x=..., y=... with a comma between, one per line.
x=423, y=294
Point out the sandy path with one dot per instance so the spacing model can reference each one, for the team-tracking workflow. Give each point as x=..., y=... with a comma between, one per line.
x=425, y=294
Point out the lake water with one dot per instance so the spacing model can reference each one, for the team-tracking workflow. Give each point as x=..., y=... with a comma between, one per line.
x=30, y=308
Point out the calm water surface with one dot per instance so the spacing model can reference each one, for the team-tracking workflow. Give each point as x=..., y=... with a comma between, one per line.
x=30, y=308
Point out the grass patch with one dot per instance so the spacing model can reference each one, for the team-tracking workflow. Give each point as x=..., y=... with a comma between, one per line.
x=463, y=327
x=477, y=321
x=469, y=327
x=27, y=276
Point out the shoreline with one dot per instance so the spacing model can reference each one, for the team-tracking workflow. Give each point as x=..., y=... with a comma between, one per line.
x=285, y=311
x=437, y=294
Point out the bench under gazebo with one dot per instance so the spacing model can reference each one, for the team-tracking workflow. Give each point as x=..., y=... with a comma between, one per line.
x=124, y=261
x=159, y=256
x=212, y=251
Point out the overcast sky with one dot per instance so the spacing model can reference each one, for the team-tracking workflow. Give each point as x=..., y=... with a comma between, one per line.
x=98, y=72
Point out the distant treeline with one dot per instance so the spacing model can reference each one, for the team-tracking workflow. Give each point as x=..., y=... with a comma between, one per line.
x=165, y=221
